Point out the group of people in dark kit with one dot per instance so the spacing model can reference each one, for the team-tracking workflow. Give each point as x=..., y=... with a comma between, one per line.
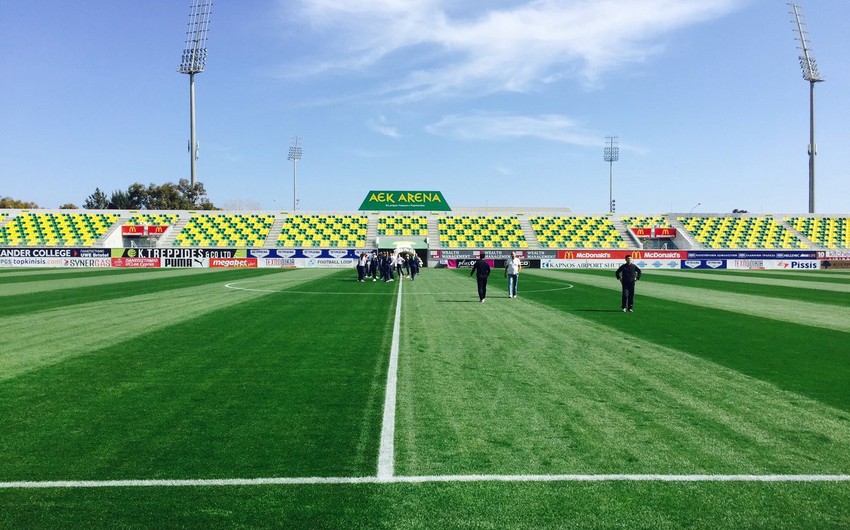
x=386, y=265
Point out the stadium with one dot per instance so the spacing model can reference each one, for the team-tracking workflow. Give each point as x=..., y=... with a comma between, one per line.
x=227, y=369
x=203, y=367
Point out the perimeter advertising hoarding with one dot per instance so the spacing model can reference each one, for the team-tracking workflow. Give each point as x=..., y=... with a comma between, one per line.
x=47, y=252
x=751, y=254
x=325, y=258
x=444, y=254
x=494, y=263
x=136, y=263
x=53, y=257
x=774, y=264
x=178, y=253
x=405, y=200
x=703, y=263
x=305, y=253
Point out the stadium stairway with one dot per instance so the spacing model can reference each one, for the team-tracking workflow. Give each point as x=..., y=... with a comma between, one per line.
x=372, y=231
x=274, y=231
x=176, y=228
x=624, y=232
x=799, y=235
x=680, y=229
x=433, y=232
x=530, y=235
x=113, y=236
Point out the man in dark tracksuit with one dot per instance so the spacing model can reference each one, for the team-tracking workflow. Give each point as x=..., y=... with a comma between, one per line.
x=628, y=274
x=481, y=269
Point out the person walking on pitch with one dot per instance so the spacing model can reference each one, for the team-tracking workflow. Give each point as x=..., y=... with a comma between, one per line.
x=512, y=268
x=628, y=274
x=481, y=269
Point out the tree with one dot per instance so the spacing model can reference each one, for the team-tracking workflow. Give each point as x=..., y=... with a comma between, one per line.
x=69, y=206
x=138, y=196
x=168, y=196
x=96, y=201
x=120, y=200
x=8, y=202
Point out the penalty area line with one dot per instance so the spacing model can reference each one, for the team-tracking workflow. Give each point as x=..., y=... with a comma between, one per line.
x=294, y=481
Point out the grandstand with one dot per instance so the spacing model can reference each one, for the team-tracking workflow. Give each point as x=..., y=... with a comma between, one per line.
x=56, y=229
x=826, y=232
x=464, y=228
x=403, y=225
x=323, y=231
x=741, y=233
x=487, y=231
x=577, y=232
x=225, y=230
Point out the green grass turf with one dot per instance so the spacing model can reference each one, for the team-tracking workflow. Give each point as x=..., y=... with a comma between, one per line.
x=827, y=293
x=179, y=377
x=268, y=386
x=808, y=360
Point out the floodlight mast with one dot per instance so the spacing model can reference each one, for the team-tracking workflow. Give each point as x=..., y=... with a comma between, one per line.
x=193, y=62
x=611, y=154
x=810, y=74
x=295, y=152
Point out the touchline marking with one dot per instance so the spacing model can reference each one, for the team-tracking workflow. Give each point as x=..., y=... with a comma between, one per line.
x=386, y=455
x=415, y=480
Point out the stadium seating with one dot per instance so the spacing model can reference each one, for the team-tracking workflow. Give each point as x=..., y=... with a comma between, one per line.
x=403, y=225
x=577, y=232
x=153, y=219
x=324, y=231
x=653, y=221
x=225, y=230
x=481, y=232
x=828, y=232
x=740, y=233
x=56, y=229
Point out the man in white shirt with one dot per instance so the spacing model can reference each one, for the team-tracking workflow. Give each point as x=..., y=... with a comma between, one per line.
x=512, y=268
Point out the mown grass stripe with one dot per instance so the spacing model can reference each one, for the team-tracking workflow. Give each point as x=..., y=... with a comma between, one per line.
x=97, y=278
x=536, y=390
x=822, y=275
x=276, y=385
x=781, y=281
x=803, y=359
x=805, y=313
x=32, y=340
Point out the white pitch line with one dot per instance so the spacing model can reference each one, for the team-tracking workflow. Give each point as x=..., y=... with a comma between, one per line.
x=386, y=455
x=416, y=480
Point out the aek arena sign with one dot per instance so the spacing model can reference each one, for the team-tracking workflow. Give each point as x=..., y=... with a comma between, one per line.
x=405, y=200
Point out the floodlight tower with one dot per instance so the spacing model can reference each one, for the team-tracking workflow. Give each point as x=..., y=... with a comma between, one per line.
x=193, y=62
x=810, y=74
x=295, y=155
x=611, y=155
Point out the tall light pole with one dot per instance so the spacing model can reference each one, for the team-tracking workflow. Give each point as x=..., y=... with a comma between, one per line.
x=193, y=62
x=295, y=155
x=611, y=154
x=810, y=74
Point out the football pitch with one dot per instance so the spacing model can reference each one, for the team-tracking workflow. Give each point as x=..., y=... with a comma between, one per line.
x=304, y=399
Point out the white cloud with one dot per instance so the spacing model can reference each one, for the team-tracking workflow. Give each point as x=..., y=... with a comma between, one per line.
x=381, y=126
x=489, y=126
x=445, y=47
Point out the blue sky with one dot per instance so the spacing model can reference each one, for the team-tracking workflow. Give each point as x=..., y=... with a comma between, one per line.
x=496, y=103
